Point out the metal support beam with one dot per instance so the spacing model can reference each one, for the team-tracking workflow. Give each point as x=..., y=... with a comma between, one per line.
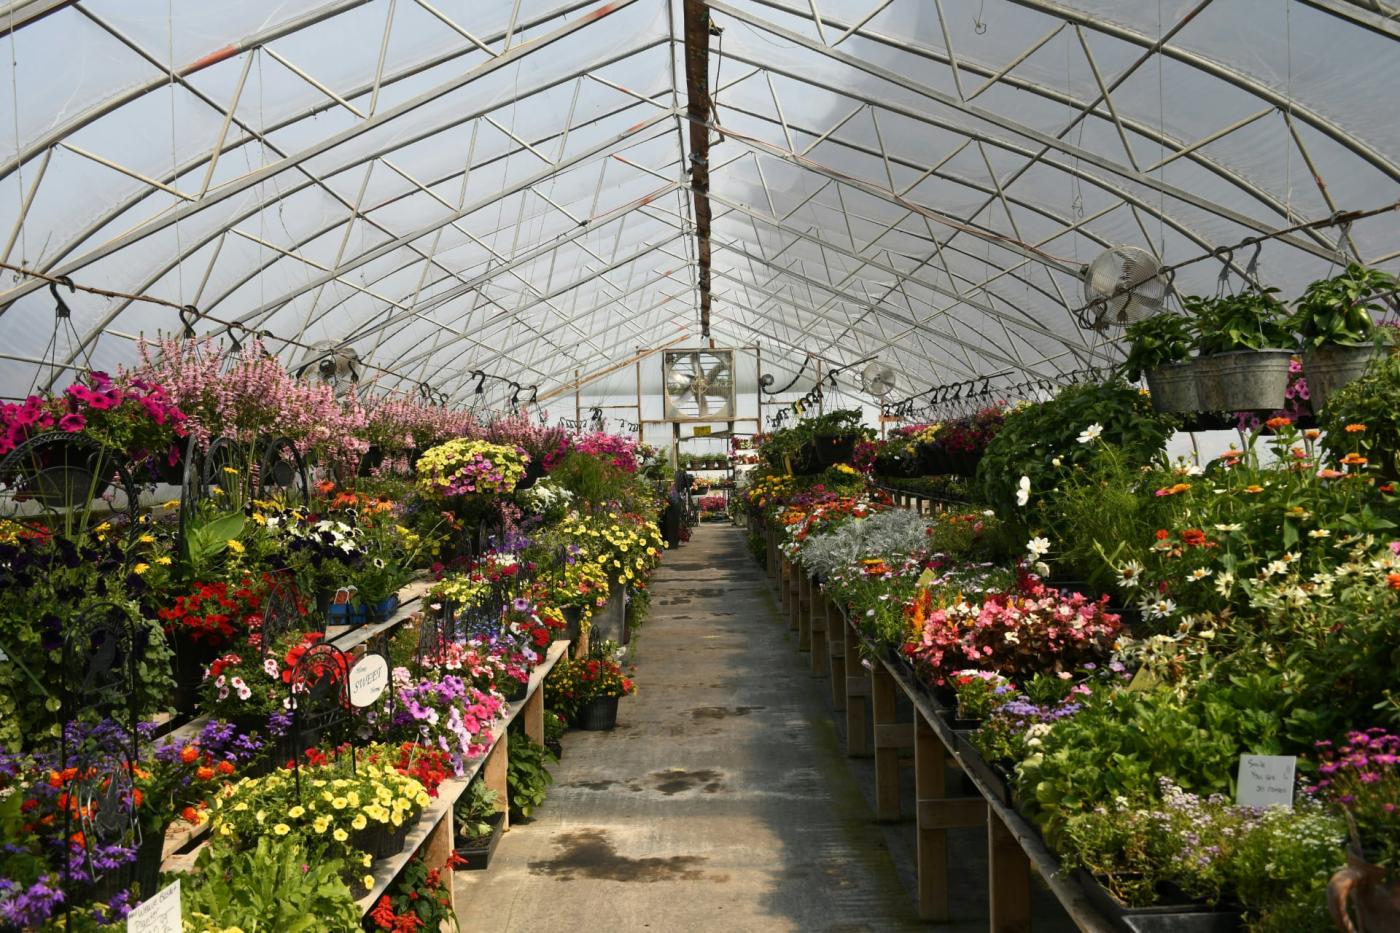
x=698, y=110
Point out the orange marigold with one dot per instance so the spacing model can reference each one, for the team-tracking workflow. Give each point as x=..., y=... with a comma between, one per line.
x=1392, y=580
x=1354, y=428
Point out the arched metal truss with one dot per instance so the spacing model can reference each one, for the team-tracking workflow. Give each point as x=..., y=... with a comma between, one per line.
x=456, y=185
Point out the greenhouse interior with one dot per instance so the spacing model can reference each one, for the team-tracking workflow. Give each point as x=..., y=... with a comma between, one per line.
x=519, y=466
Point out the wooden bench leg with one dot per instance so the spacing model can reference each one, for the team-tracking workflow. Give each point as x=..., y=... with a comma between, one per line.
x=794, y=599
x=804, y=611
x=936, y=814
x=493, y=775
x=819, y=622
x=857, y=700
x=1009, y=880
x=836, y=635
x=889, y=739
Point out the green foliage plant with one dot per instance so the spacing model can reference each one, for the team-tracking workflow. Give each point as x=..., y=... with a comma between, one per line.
x=1155, y=342
x=1338, y=311
x=1254, y=319
x=276, y=886
x=527, y=775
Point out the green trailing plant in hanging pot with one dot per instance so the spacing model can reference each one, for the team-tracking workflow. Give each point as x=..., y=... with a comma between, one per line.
x=1339, y=335
x=1243, y=342
x=1159, y=352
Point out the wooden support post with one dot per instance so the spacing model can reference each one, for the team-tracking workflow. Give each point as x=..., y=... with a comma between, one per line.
x=532, y=715
x=1009, y=880
x=794, y=599
x=836, y=632
x=804, y=611
x=493, y=775
x=438, y=848
x=857, y=700
x=783, y=584
x=882, y=701
x=817, y=614
x=930, y=783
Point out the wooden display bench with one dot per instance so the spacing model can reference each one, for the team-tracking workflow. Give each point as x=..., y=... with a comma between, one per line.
x=869, y=696
x=434, y=833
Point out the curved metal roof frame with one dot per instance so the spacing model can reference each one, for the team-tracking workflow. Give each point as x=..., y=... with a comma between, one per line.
x=947, y=271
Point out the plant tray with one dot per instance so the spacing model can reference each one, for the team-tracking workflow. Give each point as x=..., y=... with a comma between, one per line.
x=479, y=851
x=1181, y=915
x=992, y=779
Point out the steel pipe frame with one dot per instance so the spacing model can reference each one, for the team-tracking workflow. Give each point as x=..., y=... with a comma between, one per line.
x=991, y=116
x=1005, y=145
x=325, y=144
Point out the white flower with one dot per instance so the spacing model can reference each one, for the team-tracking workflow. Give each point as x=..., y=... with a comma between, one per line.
x=1227, y=528
x=1023, y=490
x=1130, y=574
x=244, y=693
x=1319, y=533
x=1056, y=462
x=270, y=666
x=1157, y=608
x=1224, y=582
x=1091, y=433
x=1041, y=568
x=989, y=513
x=1200, y=573
x=1038, y=547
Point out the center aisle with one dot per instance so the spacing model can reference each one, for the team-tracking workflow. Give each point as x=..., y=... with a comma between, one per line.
x=722, y=800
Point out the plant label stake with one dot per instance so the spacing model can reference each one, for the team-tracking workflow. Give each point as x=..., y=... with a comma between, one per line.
x=369, y=678
x=1265, y=781
x=159, y=914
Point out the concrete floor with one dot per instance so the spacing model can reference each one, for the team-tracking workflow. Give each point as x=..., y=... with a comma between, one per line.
x=723, y=800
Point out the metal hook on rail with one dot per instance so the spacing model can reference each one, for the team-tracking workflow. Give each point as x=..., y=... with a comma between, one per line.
x=61, y=309
x=188, y=323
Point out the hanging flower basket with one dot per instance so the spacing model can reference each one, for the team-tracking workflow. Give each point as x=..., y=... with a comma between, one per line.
x=1245, y=380
x=1173, y=387
x=833, y=450
x=598, y=715
x=1330, y=367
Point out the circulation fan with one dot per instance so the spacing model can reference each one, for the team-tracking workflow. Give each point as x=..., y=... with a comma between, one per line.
x=1122, y=285
x=699, y=384
x=337, y=367
x=877, y=379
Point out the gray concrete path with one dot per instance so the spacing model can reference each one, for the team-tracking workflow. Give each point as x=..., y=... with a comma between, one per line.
x=721, y=802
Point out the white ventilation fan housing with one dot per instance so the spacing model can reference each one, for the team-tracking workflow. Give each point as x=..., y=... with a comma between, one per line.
x=337, y=367
x=1128, y=281
x=877, y=379
x=699, y=384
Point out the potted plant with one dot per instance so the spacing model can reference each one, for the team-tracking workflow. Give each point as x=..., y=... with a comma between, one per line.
x=1243, y=363
x=1363, y=777
x=479, y=818
x=1158, y=351
x=1338, y=334
x=586, y=690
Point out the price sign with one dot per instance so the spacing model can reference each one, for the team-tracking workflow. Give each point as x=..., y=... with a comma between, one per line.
x=703, y=430
x=159, y=914
x=1266, y=781
x=369, y=678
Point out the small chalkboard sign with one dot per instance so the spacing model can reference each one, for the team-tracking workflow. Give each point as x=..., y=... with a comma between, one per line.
x=1266, y=781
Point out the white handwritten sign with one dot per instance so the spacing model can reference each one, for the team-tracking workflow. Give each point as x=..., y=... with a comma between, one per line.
x=368, y=680
x=1266, y=781
x=159, y=914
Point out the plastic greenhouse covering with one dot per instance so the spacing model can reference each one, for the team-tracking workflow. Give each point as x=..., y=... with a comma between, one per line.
x=449, y=185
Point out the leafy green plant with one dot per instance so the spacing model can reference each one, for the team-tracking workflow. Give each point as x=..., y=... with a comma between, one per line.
x=1155, y=342
x=1338, y=310
x=475, y=807
x=1042, y=441
x=1252, y=320
x=206, y=538
x=276, y=885
x=527, y=776
x=1373, y=403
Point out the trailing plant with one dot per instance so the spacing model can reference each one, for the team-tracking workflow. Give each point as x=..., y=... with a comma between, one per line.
x=474, y=808
x=421, y=898
x=1363, y=417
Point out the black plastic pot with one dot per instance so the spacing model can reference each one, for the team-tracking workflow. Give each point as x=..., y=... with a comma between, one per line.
x=964, y=462
x=933, y=460
x=833, y=450
x=478, y=852
x=598, y=715
x=1176, y=913
x=534, y=472
x=805, y=462
x=514, y=690
x=371, y=461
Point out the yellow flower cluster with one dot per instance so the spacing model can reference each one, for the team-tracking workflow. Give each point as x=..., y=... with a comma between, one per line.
x=625, y=546
x=334, y=806
x=765, y=489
